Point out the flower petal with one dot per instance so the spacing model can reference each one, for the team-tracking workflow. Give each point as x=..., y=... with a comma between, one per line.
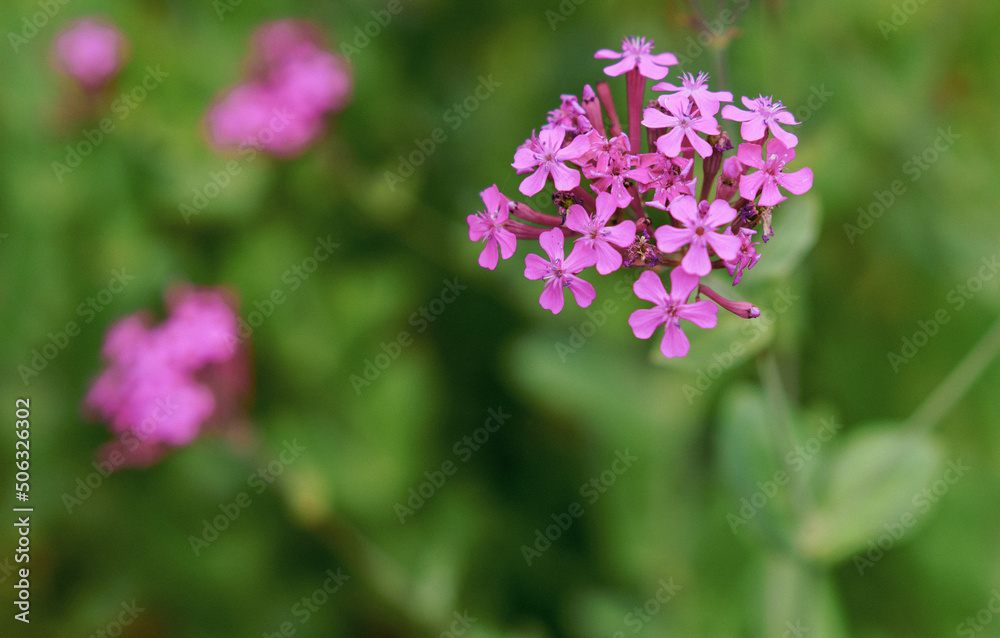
x=583, y=291
x=681, y=284
x=535, y=267
x=552, y=296
x=675, y=342
x=703, y=314
x=669, y=239
x=489, y=257
x=645, y=321
x=551, y=242
x=534, y=182
x=798, y=182
x=649, y=287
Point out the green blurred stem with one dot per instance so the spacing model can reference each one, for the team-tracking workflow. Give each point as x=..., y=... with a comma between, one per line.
x=958, y=382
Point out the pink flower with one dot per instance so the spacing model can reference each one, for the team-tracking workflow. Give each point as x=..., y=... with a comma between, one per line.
x=610, y=169
x=90, y=51
x=546, y=153
x=696, y=89
x=769, y=177
x=747, y=255
x=762, y=116
x=597, y=236
x=699, y=232
x=560, y=273
x=729, y=179
x=669, y=310
x=281, y=106
x=637, y=52
x=489, y=225
x=164, y=383
x=682, y=123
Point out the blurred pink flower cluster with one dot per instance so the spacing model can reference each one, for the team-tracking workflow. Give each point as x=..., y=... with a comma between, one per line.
x=708, y=220
x=165, y=383
x=291, y=86
x=90, y=51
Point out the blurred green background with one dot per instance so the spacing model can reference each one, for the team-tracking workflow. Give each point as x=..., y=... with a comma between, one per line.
x=784, y=491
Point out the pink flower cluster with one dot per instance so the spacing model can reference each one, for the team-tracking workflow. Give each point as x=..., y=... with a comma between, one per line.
x=292, y=84
x=90, y=51
x=709, y=220
x=164, y=383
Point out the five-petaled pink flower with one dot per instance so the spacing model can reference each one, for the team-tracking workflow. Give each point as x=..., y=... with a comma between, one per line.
x=669, y=310
x=637, y=52
x=696, y=89
x=598, y=236
x=560, y=273
x=699, y=232
x=682, y=123
x=489, y=225
x=763, y=115
x=769, y=177
x=547, y=154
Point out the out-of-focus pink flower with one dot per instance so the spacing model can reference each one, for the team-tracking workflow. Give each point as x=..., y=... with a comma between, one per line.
x=91, y=51
x=292, y=86
x=164, y=384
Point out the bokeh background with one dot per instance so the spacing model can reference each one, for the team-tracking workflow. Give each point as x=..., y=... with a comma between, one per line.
x=805, y=486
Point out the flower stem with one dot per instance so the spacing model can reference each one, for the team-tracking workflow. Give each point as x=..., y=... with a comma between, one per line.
x=958, y=381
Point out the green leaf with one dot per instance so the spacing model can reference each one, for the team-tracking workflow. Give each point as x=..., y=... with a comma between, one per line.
x=868, y=490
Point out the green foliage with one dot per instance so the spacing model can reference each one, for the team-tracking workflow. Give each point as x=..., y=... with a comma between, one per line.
x=774, y=467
